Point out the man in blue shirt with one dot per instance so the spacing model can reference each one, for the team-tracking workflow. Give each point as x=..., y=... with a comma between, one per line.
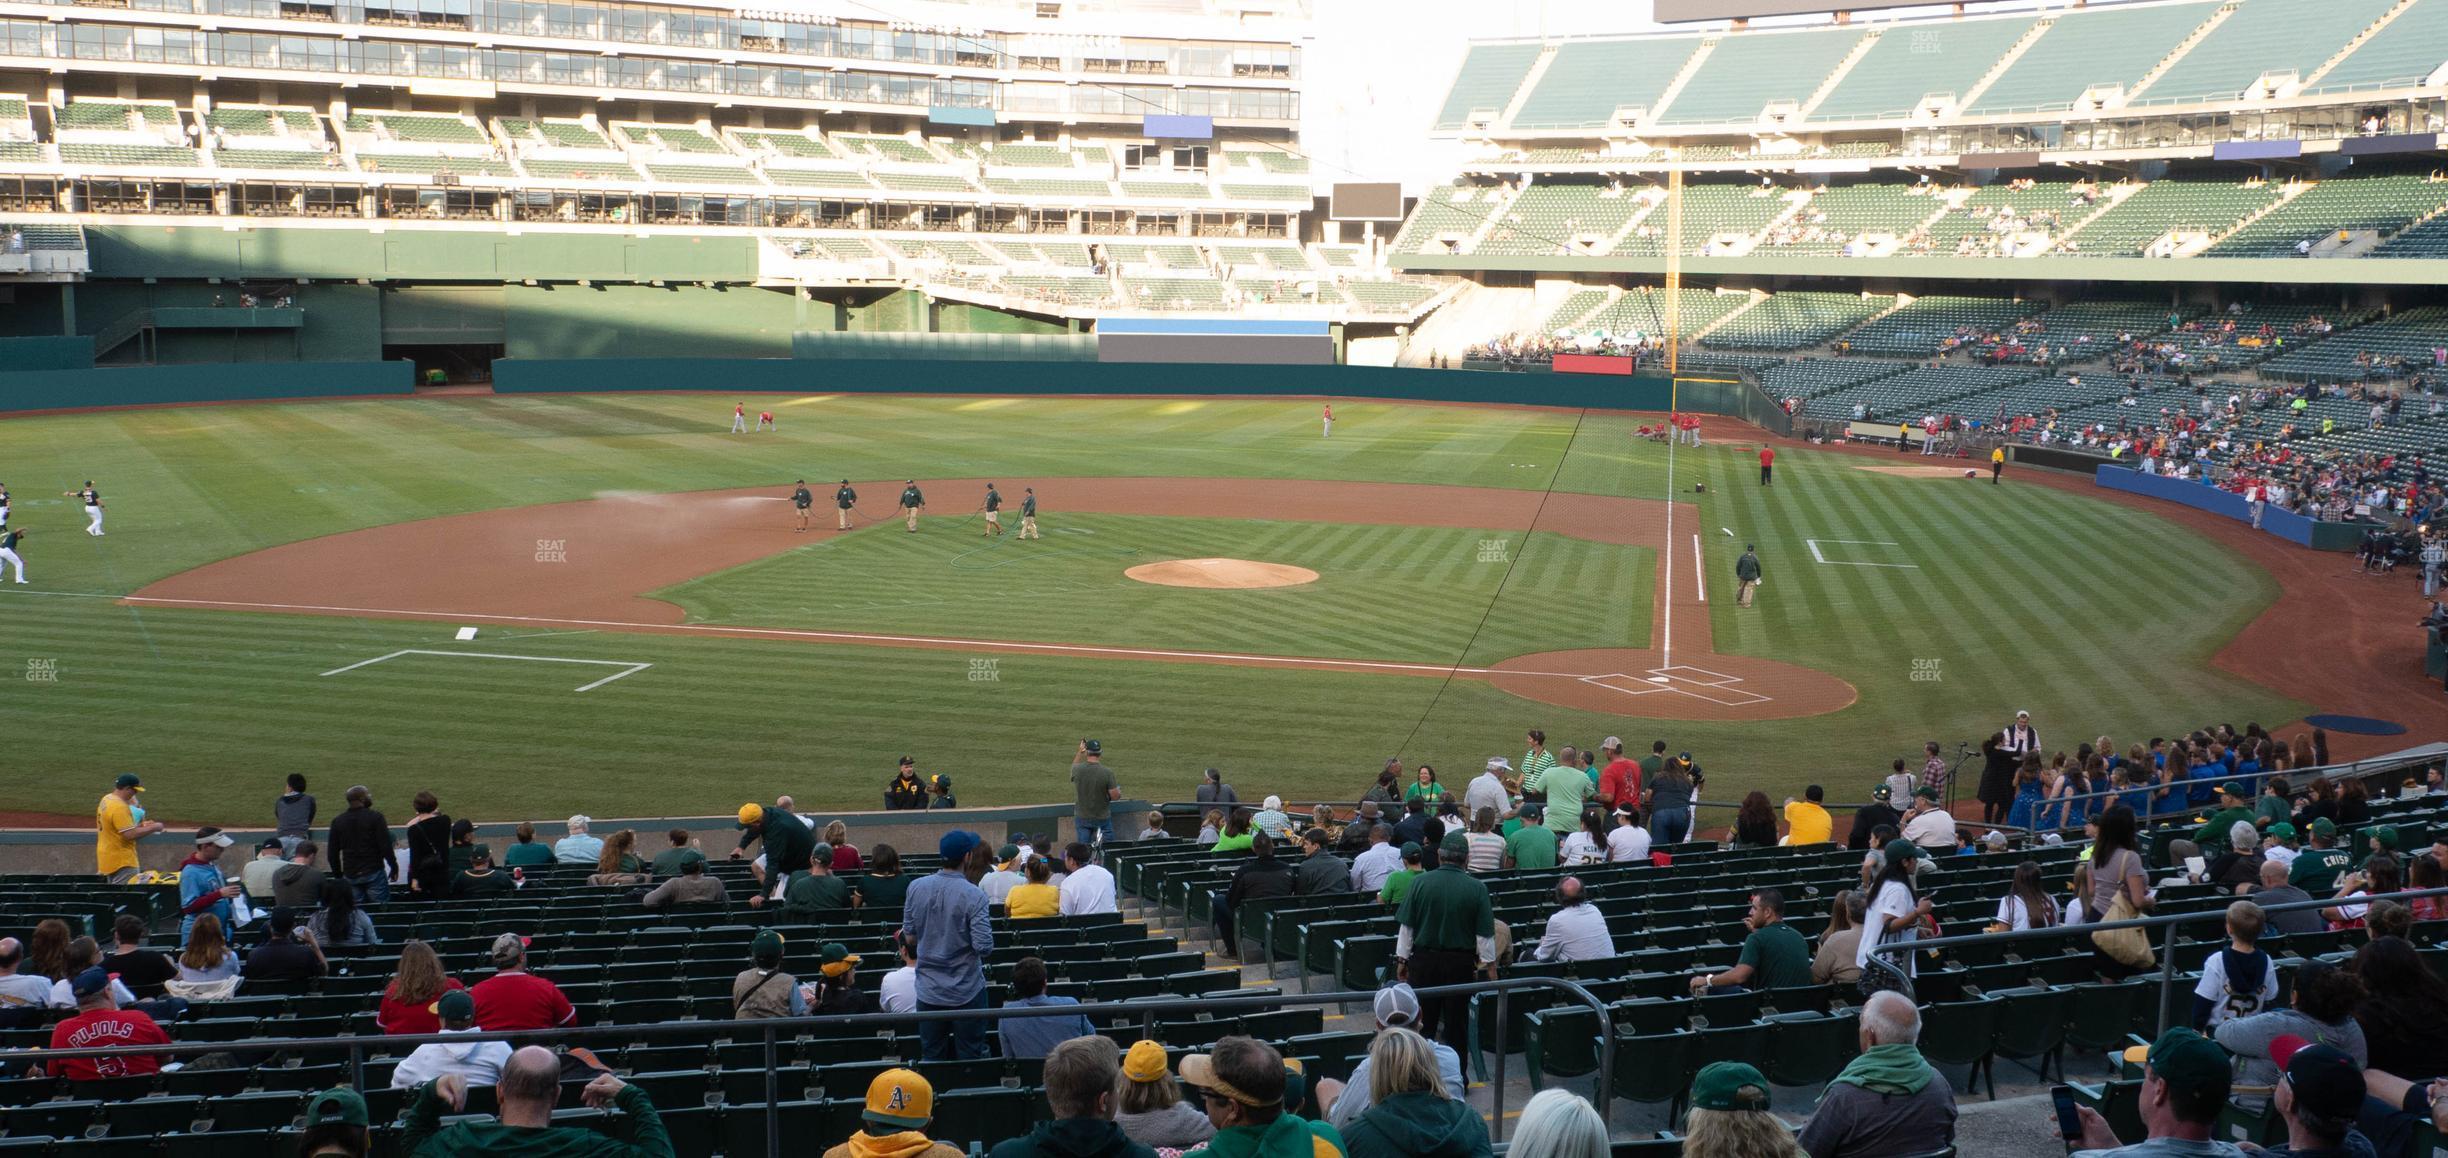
x=202, y=888
x=1037, y=1036
x=945, y=917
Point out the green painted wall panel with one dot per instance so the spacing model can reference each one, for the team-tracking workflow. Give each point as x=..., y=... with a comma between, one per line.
x=441, y=315
x=130, y=251
x=965, y=318
x=157, y=385
x=629, y=321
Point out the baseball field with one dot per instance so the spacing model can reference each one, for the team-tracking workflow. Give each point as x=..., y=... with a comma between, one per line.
x=282, y=586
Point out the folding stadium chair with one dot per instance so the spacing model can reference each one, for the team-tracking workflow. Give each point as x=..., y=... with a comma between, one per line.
x=2099, y=1015
x=1560, y=1042
x=269, y=1110
x=217, y=1145
x=676, y=1088
x=984, y=1117
x=1960, y=1033
x=57, y=1119
x=153, y=1116
x=1807, y=1049
x=131, y=1146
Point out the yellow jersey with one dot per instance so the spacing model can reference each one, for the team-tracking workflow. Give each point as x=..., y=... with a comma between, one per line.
x=1033, y=900
x=112, y=851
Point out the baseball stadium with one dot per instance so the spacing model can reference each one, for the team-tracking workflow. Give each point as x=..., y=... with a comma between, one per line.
x=1265, y=578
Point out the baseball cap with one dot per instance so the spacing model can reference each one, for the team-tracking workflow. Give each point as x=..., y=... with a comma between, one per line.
x=1093, y=747
x=1145, y=1062
x=1199, y=1070
x=93, y=980
x=835, y=959
x=2282, y=830
x=1926, y=792
x=955, y=846
x=2327, y=1081
x=1881, y=791
x=1454, y=844
x=2188, y=1061
x=2323, y=826
x=1411, y=850
x=341, y=1107
x=1903, y=850
x=456, y=1005
x=1007, y=854
x=509, y=947
x=269, y=843
x=898, y=1097
x=213, y=836
x=751, y=813
x=908, y=762
x=2231, y=788
x=821, y=851
x=1499, y=764
x=766, y=948
x=1615, y=742
x=2386, y=834
x=128, y=780
x=1729, y=1085
x=1398, y=1004
x=462, y=827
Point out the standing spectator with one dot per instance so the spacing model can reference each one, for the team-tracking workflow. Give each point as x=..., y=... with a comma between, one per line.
x=900, y=1104
x=1243, y=1084
x=1397, y=1006
x=1837, y=961
x=1894, y=913
x=1888, y=1099
x=1933, y=767
x=1320, y=871
x=944, y=915
x=289, y=953
x=2185, y=1082
x=1446, y=936
x=1564, y=786
x=1263, y=875
x=429, y=849
x=118, y=824
x=1773, y=955
x=408, y=1002
x=2325, y=1000
x=1148, y=1103
x=1425, y=788
x=1487, y=790
x=530, y=1086
x=1619, y=783
x=362, y=848
x=1213, y=790
x=1080, y=1076
x=1558, y=1123
x=786, y=838
x=763, y=990
x=1411, y=1114
x=1387, y=791
x=525, y=850
x=140, y=969
x=1536, y=760
x=1997, y=782
x=1087, y=887
x=476, y=1060
x=905, y=792
x=1807, y=820
x=206, y=959
x=513, y=999
x=1027, y=1037
x=1670, y=801
x=1094, y=790
x=2116, y=874
x=100, y=1022
x=1576, y=930
x=1730, y=1119
x=293, y=815
x=257, y=874
x=579, y=847
x=1370, y=869
x=340, y=923
x=202, y=888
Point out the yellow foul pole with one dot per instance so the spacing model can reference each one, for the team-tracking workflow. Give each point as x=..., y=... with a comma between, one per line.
x=1674, y=280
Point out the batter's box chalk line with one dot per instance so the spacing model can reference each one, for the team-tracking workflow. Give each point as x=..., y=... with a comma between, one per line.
x=628, y=668
x=1715, y=687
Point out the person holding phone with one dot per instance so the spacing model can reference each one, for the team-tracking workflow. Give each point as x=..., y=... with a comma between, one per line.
x=2185, y=1079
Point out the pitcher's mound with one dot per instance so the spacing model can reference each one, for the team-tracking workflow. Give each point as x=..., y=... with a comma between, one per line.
x=1234, y=574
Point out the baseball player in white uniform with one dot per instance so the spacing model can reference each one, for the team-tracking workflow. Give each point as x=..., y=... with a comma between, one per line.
x=4, y=504
x=739, y=418
x=93, y=507
x=8, y=551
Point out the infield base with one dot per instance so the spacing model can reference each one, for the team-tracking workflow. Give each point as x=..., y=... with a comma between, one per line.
x=1221, y=574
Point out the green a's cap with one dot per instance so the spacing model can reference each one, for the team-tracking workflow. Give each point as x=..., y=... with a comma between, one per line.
x=2188, y=1061
x=1728, y=1085
x=1454, y=844
x=1926, y=792
x=341, y=1106
x=2323, y=826
x=2282, y=830
x=767, y=947
x=2386, y=834
x=2231, y=788
x=1903, y=850
x=1411, y=849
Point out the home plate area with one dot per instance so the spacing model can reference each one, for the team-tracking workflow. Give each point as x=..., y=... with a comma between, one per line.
x=1698, y=683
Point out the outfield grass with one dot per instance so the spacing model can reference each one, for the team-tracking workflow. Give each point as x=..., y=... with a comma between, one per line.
x=2096, y=617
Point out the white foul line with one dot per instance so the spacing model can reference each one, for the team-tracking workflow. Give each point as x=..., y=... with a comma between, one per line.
x=1699, y=572
x=632, y=668
x=1666, y=548
x=1814, y=550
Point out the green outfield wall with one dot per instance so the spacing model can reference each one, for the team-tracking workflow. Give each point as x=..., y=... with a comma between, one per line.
x=168, y=385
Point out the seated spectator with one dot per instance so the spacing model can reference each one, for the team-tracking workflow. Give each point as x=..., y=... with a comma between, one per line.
x=1411, y=1114
x=1576, y=930
x=1888, y=1099
x=257, y=875
x=1036, y=1036
x=1628, y=841
x=2394, y=1109
x=1272, y=821
x=1929, y=824
x=1398, y=882
x=2404, y=1012
x=1774, y=956
x=684, y=848
x=142, y=970
x=1730, y=1118
x=528, y=852
x=836, y=991
x=207, y=959
x=1754, y=825
x=1153, y=827
x=2185, y=1082
x=289, y=951
x=1807, y=820
x=1079, y=1086
x=578, y=847
x=513, y=999
x=883, y=887
x=1840, y=943
x=2319, y=1098
x=340, y=923
x=899, y=1105
x=335, y=1126
x=23, y=993
x=846, y=858
x=1397, y=1007
x=1088, y=887
x=529, y=1087
x=617, y=863
x=1005, y=876
x=1486, y=846
x=1261, y=876
x=1531, y=846
x=899, y=992
x=476, y=1060
x=1237, y=832
x=2325, y=999
x=2378, y=876
x=1377, y=861
x=1559, y=1124
x=1320, y=872
x=1148, y=1103
x=1587, y=846
x=764, y=990
x=1211, y=827
x=2238, y=867
x=2239, y=980
x=2027, y=904
x=1242, y=1083
x=1038, y=897
x=408, y=1002
x=691, y=887
x=480, y=879
x=2274, y=891
x=100, y=1022
x=298, y=884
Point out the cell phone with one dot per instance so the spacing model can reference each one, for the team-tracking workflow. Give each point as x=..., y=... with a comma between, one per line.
x=2069, y=1123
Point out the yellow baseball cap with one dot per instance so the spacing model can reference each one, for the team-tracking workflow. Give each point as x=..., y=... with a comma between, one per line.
x=1145, y=1062
x=899, y=1097
x=751, y=814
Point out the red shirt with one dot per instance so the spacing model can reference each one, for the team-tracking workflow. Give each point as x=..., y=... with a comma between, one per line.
x=1767, y=456
x=102, y=1028
x=1622, y=779
x=520, y=1000
x=398, y=1016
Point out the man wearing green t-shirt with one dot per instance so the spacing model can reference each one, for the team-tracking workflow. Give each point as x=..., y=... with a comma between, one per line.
x=683, y=850
x=1447, y=935
x=1532, y=846
x=2213, y=834
x=815, y=888
x=1095, y=790
x=1566, y=787
x=1773, y=956
x=1398, y=882
x=2316, y=868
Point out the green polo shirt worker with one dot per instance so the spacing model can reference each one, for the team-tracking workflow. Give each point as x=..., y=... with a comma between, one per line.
x=801, y=499
x=787, y=840
x=1532, y=846
x=1566, y=787
x=843, y=500
x=2316, y=868
x=994, y=511
x=2232, y=808
x=1028, y=513
x=1447, y=936
x=1773, y=955
x=913, y=500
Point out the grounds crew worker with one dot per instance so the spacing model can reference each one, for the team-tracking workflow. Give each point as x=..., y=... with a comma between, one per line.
x=1746, y=575
x=844, y=499
x=801, y=499
x=1997, y=464
x=912, y=500
x=994, y=512
x=1028, y=514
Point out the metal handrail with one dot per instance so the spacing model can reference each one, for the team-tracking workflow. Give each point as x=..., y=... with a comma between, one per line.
x=2167, y=946
x=772, y=1030
x=2358, y=769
